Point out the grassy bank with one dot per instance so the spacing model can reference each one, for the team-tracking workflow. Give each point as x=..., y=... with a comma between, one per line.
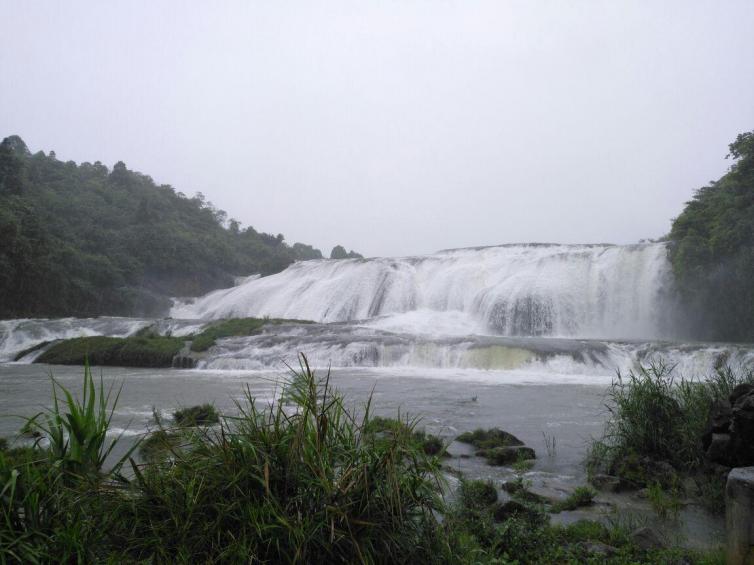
x=308, y=481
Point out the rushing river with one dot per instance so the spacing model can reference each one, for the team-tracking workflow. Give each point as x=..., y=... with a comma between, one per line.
x=523, y=337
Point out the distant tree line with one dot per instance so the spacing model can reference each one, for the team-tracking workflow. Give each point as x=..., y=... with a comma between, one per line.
x=712, y=251
x=79, y=240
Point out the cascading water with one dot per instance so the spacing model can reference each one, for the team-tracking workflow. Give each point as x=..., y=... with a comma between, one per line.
x=599, y=291
x=578, y=310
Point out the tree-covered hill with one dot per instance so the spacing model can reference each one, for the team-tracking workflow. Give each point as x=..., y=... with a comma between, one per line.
x=85, y=240
x=712, y=251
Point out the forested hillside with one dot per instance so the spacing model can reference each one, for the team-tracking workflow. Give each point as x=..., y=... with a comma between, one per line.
x=712, y=250
x=79, y=240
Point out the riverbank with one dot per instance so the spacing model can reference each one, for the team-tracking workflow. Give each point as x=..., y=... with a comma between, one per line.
x=528, y=538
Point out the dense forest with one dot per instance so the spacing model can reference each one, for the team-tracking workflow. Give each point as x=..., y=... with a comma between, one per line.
x=80, y=240
x=712, y=251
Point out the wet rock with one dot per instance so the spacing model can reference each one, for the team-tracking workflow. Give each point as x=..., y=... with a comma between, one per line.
x=606, y=483
x=719, y=449
x=506, y=455
x=742, y=430
x=743, y=389
x=647, y=538
x=597, y=548
x=720, y=415
x=739, y=515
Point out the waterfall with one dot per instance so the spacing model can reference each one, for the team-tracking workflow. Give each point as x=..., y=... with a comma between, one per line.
x=595, y=291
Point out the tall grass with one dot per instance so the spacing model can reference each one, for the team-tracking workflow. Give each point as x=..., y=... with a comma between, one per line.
x=52, y=497
x=296, y=483
x=659, y=417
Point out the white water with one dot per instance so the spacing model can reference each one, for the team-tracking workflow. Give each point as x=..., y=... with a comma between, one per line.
x=598, y=291
x=21, y=334
x=540, y=311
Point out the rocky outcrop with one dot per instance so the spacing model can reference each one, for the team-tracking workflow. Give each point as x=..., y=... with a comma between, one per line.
x=739, y=515
x=729, y=439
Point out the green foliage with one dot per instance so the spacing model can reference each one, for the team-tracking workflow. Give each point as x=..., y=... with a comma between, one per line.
x=581, y=496
x=306, y=487
x=136, y=351
x=385, y=427
x=666, y=503
x=201, y=415
x=158, y=444
x=311, y=482
x=712, y=251
x=658, y=417
x=234, y=327
x=654, y=433
x=477, y=494
x=54, y=501
x=147, y=242
x=339, y=252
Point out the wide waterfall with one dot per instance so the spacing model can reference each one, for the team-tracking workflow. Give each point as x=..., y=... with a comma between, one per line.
x=595, y=291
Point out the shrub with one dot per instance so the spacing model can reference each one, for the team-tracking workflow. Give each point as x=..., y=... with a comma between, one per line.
x=581, y=496
x=201, y=415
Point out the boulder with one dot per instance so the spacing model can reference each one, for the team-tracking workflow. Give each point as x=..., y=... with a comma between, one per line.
x=719, y=449
x=740, y=390
x=606, y=483
x=506, y=455
x=647, y=539
x=720, y=415
x=597, y=548
x=739, y=516
x=742, y=429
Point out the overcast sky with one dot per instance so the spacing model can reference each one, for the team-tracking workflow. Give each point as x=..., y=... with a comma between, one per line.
x=394, y=127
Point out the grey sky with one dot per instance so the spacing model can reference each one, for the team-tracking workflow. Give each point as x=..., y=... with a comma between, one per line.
x=394, y=127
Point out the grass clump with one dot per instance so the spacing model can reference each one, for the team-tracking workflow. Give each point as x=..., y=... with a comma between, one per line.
x=657, y=421
x=136, y=351
x=383, y=427
x=233, y=328
x=580, y=497
x=200, y=415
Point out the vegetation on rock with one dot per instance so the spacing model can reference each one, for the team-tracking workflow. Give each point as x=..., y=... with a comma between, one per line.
x=136, y=351
x=656, y=431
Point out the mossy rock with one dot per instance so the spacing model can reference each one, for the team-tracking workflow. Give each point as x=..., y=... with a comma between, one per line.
x=506, y=455
x=235, y=327
x=488, y=439
x=200, y=415
x=137, y=351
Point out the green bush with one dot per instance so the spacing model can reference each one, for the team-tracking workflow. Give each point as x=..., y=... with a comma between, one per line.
x=202, y=415
x=581, y=496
